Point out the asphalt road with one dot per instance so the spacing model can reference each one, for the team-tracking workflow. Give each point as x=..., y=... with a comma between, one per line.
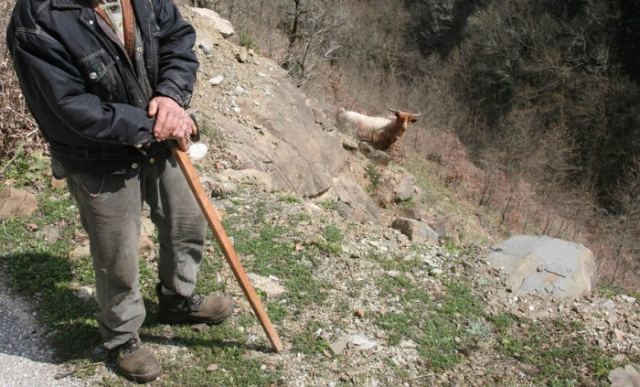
x=25, y=357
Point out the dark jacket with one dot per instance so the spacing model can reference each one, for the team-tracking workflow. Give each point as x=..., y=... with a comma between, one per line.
x=83, y=89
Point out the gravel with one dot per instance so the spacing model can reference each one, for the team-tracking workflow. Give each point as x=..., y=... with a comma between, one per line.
x=25, y=357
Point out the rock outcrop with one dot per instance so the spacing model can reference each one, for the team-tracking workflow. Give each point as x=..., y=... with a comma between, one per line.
x=222, y=25
x=267, y=123
x=543, y=265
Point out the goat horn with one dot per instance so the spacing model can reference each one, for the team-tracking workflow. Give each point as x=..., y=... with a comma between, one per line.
x=417, y=115
x=394, y=110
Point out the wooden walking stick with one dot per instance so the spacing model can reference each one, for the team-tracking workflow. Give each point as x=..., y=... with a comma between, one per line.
x=213, y=218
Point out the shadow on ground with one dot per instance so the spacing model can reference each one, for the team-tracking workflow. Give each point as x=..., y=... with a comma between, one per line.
x=44, y=282
x=67, y=322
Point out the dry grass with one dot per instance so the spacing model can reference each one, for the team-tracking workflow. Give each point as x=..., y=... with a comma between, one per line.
x=18, y=131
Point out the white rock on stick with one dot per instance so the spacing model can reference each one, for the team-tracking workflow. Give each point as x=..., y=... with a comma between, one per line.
x=197, y=151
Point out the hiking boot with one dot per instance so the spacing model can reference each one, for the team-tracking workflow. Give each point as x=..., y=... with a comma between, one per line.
x=136, y=362
x=194, y=309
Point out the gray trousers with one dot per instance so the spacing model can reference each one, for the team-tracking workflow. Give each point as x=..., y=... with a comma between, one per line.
x=110, y=211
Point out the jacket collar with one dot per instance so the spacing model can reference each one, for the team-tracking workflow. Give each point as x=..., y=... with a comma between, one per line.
x=70, y=4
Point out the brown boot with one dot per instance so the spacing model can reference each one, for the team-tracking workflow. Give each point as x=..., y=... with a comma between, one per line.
x=194, y=309
x=136, y=362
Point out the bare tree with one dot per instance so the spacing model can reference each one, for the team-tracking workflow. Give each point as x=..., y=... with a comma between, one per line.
x=315, y=36
x=628, y=196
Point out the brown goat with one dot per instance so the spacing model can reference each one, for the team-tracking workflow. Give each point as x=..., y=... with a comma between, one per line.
x=380, y=132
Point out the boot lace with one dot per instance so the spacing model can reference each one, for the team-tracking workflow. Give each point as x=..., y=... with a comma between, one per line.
x=189, y=304
x=128, y=347
x=195, y=301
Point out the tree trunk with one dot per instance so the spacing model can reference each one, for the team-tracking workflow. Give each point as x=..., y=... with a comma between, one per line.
x=293, y=35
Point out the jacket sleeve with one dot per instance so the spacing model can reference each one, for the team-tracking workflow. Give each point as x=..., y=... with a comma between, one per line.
x=177, y=63
x=54, y=87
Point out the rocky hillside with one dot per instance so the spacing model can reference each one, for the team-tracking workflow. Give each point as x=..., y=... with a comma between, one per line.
x=373, y=274
x=264, y=129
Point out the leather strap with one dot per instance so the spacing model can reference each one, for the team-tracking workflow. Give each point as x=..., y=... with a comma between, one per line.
x=129, y=25
x=129, y=22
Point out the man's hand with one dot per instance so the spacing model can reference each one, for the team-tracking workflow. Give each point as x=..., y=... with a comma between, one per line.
x=171, y=121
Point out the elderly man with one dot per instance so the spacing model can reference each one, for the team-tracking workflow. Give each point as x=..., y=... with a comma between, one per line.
x=108, y=82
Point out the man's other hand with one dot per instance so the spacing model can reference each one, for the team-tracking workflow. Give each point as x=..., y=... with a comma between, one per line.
x=171, y=121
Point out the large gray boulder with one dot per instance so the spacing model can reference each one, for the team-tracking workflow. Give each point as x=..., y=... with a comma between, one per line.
x=544, y=265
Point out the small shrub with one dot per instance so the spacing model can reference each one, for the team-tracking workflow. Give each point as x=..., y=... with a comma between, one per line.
x=247, y=41
x=374, y=176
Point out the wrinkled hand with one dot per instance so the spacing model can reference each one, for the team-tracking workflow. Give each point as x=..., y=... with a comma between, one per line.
x=171, y=121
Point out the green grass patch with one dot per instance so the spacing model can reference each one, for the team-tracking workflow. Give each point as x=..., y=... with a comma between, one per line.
x=442, y=327
x=330, y=241
x=308, y=342
x=291, y=199
x=273, y=253
x=402, y=264
x=447, y=332
x=557, y=355
x=451, y=248
x=434, y=192
x=503, y=321
x=608, y=290
x=210, y=131
x=277, y=311
x=329, y=205
x=332, y=234
x=42, y=270
x=222, y=345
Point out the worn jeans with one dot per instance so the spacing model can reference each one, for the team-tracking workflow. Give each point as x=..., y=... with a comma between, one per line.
x=110, y=211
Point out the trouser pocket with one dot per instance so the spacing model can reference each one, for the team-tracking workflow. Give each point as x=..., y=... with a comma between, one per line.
x=96, y=185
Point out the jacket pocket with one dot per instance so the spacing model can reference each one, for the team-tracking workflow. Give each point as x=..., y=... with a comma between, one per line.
x=101, y=75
